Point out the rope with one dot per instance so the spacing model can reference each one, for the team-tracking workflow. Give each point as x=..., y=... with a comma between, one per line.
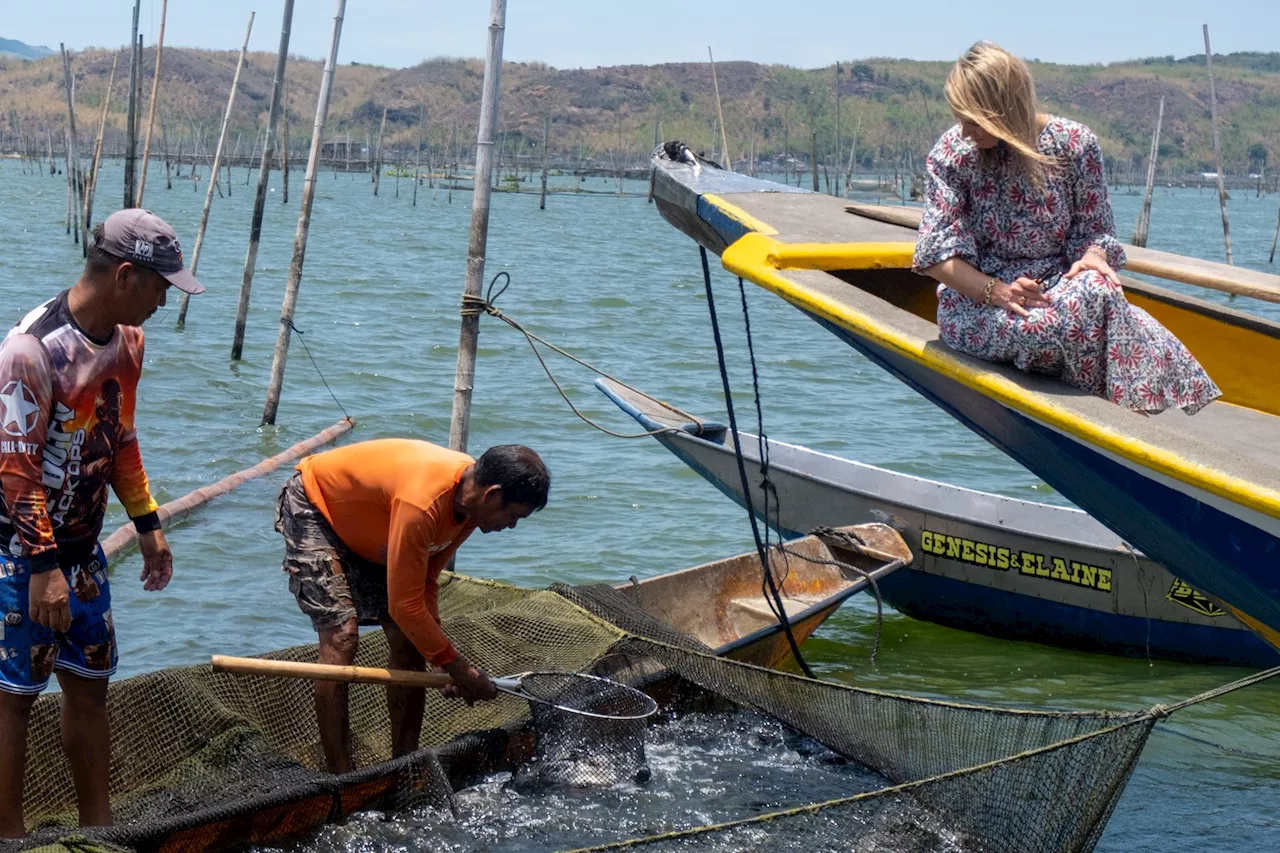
x=1231, y=749
x=307, y=350
x=780, y=611
x=854, y=543
x=473, y=306
x=1162, y=711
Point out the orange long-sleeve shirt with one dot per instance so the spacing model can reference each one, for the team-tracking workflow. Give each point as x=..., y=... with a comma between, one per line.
x=391, y=502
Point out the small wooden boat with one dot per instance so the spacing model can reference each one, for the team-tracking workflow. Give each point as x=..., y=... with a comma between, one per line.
x=1200, y=495
x=204, y=762
x=985, y=563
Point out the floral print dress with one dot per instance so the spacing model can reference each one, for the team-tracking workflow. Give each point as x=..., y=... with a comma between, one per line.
x=986, y=212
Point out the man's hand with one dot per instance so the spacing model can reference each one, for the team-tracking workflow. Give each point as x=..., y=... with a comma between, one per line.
x=49, y=601
x=470, y=684
x=157, y=560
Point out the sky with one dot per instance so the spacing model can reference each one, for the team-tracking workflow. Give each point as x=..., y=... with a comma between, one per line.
x=586, y=34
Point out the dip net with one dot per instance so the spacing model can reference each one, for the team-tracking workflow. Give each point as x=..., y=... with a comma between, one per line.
x=206, y=761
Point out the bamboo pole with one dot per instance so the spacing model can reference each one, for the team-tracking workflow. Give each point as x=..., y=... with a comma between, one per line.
x=417, y=152
x=657, y=124
x=53, y=170
x=66, y=143
x=464, y=380
x=1144, y=217
x=284, y=141
x=73, y=153
x=151, y=112
x=813, y=162
x=260, y=199
x=377, y=153
x=266, y=668
x=304, y=224
x=1217, y=148
x=546, y=136
x=453, y=146
x=853, y=157
x=168, y=164
x=1275, y=239
x=217, y=157
x=839, y=71
x=724, y=139
x=131, y=118
x=126, y=535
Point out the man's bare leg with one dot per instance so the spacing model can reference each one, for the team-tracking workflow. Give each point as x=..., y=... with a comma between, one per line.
x=15, y=712
x=86, y=738
x=337, y=647
x=405, y=704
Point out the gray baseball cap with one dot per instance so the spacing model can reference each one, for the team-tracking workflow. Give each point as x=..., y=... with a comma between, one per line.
x=140, y=237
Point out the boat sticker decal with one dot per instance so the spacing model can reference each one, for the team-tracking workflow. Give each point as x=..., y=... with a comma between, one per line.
x=990, y=556
x=1186, y=595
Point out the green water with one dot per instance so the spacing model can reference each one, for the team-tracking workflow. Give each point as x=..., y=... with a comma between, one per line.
x=609, y=279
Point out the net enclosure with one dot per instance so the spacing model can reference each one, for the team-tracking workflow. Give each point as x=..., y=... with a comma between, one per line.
x=206, y=761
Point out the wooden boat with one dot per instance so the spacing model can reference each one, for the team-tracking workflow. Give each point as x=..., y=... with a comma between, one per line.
x=985, y=563
x=204, y=762
x=1200, y=495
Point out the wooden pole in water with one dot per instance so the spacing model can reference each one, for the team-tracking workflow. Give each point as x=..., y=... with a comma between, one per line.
x=1217, y=149
x=853, y=155
x=73, y=155
x=1144, y=217
x=151, y=112
x=126, y=535
x=217, y=157
x=131, y=119
x=92, y=184
x=417, y=152
x=546, y=136
x=264, y=174
x=377, y=153
x=453, y=171
x=464, y=380
x=281, y=354
x=284, y=141
x=724, y=138
x=168, y=166
x=813, y=159
x=1275, y=239
x=657, y=123
x=67, y=170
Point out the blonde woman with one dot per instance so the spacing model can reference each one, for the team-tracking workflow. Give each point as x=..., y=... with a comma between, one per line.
x=1018, y=229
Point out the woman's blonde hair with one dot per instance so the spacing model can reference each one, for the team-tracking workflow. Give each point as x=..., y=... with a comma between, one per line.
x=992, y=88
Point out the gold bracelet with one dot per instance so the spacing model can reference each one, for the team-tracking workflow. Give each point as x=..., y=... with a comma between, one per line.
x=986, y=292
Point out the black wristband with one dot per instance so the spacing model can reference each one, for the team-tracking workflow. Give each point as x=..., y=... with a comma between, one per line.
x=147, y=523
x=45, y=561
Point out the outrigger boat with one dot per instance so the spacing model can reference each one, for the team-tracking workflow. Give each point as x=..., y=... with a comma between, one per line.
x=205, y=762
x=985, y=563
x=1199, y=495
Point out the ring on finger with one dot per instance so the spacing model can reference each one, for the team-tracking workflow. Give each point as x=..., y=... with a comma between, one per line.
x=1022, y=300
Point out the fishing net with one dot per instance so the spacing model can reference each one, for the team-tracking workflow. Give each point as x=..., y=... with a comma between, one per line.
x=206, y=761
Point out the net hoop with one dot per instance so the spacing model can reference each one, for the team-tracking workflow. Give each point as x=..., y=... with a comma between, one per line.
x=640, y=705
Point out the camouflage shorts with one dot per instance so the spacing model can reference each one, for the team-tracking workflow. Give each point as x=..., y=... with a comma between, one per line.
x=332, y=584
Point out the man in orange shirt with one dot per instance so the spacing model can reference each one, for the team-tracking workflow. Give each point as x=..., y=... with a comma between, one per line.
x=368, y=528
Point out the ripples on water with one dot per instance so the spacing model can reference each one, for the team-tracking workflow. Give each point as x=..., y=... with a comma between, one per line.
x=608, y=279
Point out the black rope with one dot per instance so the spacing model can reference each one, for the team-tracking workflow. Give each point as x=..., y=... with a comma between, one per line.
x=780, y=609
x=307, y=350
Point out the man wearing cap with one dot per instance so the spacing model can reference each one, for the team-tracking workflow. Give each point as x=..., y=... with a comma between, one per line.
x=68, y=379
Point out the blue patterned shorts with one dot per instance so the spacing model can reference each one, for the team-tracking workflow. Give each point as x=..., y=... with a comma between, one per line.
x=29, y=652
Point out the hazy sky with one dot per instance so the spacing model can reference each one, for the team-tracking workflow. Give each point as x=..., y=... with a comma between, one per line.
x=579, y=33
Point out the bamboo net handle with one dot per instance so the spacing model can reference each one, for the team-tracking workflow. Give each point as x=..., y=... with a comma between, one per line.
x=328, y=672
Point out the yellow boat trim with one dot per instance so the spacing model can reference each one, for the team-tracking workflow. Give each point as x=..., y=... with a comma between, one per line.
x=750, y=256
x=842, y=256
x=739, y=215
x=1270, y=635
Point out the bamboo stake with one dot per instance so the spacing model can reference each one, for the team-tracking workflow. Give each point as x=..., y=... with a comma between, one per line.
x=126, y=535
x=217, y=157
x=1275, y=239
x=1217, y=149
x=151, y=114
x=131, y=132
x=260, y=199
x=66, y=143
x=53, y=170
x=168, y=164
x=813, y=161
x=73, y=154
x=377, y=153
x=1144, y=217
x=304, y=225
x=417, y=153
x=453, y=145
x=724, y=139
x=284, y=142
x=853, y=155
x=546, y=136
x=464, y=380
x=657, y=124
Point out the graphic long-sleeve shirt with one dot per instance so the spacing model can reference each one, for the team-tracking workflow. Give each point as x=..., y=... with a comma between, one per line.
x=391, y=502
x=66, y=433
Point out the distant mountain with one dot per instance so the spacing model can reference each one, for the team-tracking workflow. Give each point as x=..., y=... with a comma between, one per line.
x=13, y=47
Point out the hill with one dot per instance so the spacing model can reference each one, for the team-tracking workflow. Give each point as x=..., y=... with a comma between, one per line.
x=18, y=50
x=895, y=106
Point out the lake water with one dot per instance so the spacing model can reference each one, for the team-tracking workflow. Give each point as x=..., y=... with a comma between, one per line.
x=607, y=278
